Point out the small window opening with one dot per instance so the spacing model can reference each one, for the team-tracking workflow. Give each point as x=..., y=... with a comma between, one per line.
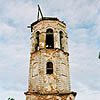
x=49, y=69
x=61, y=39
x=49, y=39
x=37, y=41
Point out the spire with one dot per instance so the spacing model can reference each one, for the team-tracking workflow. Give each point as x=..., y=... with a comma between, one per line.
x=39, y=13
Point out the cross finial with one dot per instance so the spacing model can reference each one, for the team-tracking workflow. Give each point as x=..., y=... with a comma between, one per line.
x=39, y=12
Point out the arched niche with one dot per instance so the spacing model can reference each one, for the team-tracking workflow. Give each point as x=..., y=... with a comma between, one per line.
x=37, y=40
x=49, y=68
x=49, y=39
x=61, y=34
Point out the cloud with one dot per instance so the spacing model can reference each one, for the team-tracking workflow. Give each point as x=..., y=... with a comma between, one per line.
x=12, y=94
x=73, y=12
x=19, y=12
x=88, y=95
x=14, y=66
x=82, y=19
x=6, y=29
x=85, y=64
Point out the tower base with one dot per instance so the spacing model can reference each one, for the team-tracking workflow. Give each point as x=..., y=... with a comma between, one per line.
x=50, y=96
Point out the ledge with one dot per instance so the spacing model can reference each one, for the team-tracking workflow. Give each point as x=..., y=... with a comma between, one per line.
x=59, y=94
x=50, y=49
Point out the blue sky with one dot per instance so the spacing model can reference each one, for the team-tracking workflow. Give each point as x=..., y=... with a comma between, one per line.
x=82, y=18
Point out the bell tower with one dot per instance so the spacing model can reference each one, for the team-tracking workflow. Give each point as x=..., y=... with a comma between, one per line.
x=49, y=77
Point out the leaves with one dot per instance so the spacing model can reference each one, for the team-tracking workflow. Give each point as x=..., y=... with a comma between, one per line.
x=11, y=99
x=99, y=55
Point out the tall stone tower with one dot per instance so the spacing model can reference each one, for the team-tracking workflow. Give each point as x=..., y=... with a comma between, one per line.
x=49, y=77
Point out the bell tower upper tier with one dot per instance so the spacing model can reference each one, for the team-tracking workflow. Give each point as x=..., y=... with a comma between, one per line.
x=48, y=33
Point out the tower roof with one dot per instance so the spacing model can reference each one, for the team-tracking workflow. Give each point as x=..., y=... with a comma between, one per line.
x=47, y=18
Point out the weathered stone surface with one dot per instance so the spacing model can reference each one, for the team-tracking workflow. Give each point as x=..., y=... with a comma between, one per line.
x=44, y=86
x=36, y=96
x=60, y=75
x=42, y=26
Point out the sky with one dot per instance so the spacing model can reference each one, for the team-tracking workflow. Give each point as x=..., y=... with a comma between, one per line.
x=82, y=18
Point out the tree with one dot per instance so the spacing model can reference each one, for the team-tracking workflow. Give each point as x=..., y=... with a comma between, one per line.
x=11, y=98
x=99, y=55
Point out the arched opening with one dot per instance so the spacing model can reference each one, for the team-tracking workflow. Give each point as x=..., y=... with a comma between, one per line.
x=37, y=40
x=49, y=39
x=61, y=40
x=49, y=69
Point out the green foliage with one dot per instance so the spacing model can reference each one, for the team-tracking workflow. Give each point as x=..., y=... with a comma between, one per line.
x=99, y=55
x=11, y=99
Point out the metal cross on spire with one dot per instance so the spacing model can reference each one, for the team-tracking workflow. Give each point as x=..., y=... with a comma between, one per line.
x=39, y=13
